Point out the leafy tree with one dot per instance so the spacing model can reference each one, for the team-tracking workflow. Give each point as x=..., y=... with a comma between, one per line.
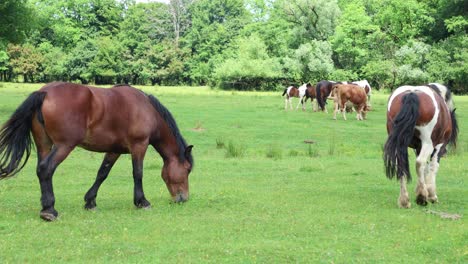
x=25, y=60
x=351, y=42
x=215, y=23
x=79, y=59
x=250, y=68
x=53, y=64
x=16, y=20
x=382, y=73
x=311, y=62
x=313, y=19
x=4, y=63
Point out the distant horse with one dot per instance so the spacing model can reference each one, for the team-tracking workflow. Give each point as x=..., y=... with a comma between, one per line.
x=419, y=118
x=322, y=91
x=364, y=84
x=310, y=93
x=122, y=119
x=344, y=94
x=444, y=92
x=293, y=91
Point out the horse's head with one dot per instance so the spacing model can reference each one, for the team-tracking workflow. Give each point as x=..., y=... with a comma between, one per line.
x=175, y=174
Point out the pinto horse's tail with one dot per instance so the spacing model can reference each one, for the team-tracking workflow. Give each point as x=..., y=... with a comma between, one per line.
x=453, y=138
x=285, y=91
x=15, y=135
x=396, y=148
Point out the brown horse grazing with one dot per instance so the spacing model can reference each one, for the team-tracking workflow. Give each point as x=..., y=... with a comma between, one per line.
x=293, y=91
x=419, y=118
x=122, y=119
x=345, y=94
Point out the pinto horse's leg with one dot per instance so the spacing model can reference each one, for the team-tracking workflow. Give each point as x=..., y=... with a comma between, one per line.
x=403, y=200
x=106, y=166
x=45, y=172
x=431, y=174
x=421, y=163
x=138, y=154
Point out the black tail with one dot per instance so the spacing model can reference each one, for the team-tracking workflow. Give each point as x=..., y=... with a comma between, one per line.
x=396, y=148
x=453, y=138
x=285, y=90
x=15, y=136
x=318, y=94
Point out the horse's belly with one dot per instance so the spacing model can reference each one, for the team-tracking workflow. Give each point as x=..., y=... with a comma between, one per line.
x=104, y=144
x=104, y=148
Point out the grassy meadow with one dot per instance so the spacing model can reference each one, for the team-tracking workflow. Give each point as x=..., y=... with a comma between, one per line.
x=258, y=192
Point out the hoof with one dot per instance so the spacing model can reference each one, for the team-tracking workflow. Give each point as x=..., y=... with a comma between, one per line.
x=91, y=205
x=143, y=204
x=421, y=200
x=405, y=205
x=433, y=199
x=49, y=216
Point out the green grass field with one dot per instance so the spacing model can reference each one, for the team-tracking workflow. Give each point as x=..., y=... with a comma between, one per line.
x=258, y=192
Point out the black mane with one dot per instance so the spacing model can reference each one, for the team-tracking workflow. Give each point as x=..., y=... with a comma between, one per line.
x=167, y=116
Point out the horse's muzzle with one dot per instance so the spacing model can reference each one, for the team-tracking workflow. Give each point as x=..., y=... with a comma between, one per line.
x=180, y=197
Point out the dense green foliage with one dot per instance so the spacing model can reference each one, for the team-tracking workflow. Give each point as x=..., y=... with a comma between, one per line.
x=236, y=44
x=258, y=192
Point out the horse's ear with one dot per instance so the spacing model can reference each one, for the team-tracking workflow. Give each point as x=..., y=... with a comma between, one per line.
x=188, y=150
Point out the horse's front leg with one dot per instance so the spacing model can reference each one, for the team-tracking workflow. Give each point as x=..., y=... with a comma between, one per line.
x=343, y=109
x=138, y=154
x=106, y=166
x=45, y=171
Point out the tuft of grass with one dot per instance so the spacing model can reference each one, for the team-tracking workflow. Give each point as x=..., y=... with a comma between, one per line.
x=312, y=152
x=274, y=152
x=234, y=150
x=293, y=153
x=220, y=143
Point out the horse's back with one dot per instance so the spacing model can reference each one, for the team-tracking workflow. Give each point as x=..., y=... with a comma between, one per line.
x=432, y=112
x=98, y=119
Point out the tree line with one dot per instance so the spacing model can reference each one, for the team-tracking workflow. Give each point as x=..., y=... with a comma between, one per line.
x=235, y=44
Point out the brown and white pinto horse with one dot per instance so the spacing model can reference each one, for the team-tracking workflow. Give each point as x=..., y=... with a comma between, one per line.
x=419, y=118
x=119, y=120
x=293, y=91
x=349, y=94
x=310, y=93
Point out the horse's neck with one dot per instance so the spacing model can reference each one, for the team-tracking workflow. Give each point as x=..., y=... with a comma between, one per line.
x=165, y=142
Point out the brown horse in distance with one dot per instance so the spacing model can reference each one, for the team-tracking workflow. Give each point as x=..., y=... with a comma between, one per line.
x=119, y=120
x=343, y=94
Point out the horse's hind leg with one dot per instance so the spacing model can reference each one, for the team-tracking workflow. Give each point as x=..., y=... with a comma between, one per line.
x=421, y=163
x=431, y=175
x=47, y=161
x=45, y=172
x=138, y=154
x=106, y=166
x=403, y=200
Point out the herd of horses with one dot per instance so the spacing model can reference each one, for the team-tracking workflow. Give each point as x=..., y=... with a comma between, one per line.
x=345, y=95
x=123, y=120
